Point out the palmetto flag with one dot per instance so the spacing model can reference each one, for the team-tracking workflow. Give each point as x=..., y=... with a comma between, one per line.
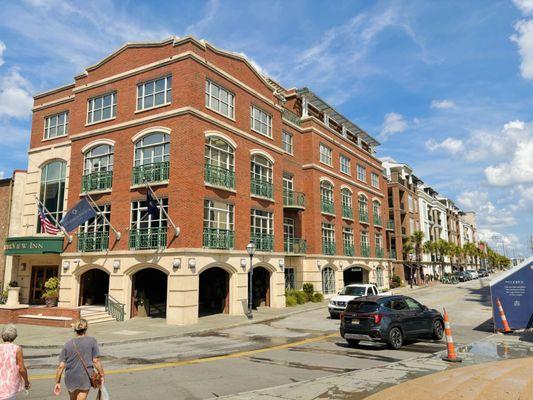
x=152, y=205
x=46, y=225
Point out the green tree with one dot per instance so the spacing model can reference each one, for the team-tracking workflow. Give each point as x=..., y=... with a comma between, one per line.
x=417, y=240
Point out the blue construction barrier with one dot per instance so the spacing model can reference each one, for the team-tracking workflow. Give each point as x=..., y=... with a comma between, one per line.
x=515, y=290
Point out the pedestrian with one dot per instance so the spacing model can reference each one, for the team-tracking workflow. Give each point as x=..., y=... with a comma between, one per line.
x=13, y=373
x=79, y=358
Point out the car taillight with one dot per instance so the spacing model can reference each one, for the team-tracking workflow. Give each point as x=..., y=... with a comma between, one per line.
x=377, y=318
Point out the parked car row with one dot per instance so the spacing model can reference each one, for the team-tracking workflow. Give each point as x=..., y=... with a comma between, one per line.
x=470, y=274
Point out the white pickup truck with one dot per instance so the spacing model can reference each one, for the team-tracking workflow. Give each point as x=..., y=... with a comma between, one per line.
x=338, y=303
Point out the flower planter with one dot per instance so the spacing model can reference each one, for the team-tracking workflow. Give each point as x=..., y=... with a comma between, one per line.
x=13, y=296
x=51, y=301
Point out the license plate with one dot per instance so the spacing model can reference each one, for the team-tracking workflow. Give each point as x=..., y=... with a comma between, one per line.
x=355, y=322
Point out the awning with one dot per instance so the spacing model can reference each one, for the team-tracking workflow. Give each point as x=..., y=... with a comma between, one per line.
x=33, y=245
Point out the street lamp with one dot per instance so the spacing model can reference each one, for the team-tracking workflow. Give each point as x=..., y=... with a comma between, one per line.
x=250, y=248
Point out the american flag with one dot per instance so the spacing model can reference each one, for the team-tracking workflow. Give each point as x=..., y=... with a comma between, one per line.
x=46, y=225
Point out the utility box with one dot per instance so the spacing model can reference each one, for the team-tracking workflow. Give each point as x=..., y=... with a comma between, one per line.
x=515, y=290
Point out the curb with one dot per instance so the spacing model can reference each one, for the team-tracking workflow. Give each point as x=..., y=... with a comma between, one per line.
x=198, y=332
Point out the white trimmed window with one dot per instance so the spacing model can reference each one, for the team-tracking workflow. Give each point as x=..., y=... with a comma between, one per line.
x=379, y=241
x=98, y=223
x=410, y=202
x=328, y=281
x=152, y=148
x=361, y=173
x=99, y=158
x=261, y=222
x=328, y=233
x=219, y=99
x=260, y=121
x=154, y=93
x=364, y=239
x=102, y=108
x=56, y=125
x=286, y=139
x=218, y=215
x=219, y=153
x=325, y=154
x=345, y=165
x=142, y=219
x=347, y=237
x=374, y=180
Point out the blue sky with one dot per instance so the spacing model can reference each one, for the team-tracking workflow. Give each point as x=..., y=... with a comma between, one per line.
x=445, y=86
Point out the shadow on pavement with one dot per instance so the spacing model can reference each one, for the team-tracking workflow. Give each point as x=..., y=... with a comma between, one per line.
x=480, y=295
x=487, y=326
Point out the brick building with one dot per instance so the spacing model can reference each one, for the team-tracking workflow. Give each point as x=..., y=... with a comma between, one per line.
x=233, y=157
x=6, y=196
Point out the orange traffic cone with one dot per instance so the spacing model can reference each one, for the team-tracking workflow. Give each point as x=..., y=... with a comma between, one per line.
x=452, y=355
x=506, y=328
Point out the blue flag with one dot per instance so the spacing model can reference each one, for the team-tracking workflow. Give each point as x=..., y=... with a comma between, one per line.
x=152, y=205
x=77, y=215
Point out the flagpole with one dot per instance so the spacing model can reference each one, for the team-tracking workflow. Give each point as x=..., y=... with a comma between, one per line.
x=118, y=235
x=176, y=228
x=69, y=238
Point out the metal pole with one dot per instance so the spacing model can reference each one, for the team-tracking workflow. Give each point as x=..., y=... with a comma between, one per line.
x=250, y=276
x=176, y=228
x=118, y=235
x=69, y=238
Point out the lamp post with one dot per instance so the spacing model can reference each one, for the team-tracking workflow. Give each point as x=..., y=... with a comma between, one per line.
x=250, y=248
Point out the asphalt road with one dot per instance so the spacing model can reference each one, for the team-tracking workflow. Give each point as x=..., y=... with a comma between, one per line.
x=299, y=347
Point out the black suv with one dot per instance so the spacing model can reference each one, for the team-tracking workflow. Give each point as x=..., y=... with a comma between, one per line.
x=389, y=319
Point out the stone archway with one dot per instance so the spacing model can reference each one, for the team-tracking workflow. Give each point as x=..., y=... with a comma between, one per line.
x=355, y=274
x=149, y=293
x=261, y=287
x=94, y=286
x=213, y=291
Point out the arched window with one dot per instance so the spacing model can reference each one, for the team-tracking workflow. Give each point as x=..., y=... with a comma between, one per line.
x=261, y=169
x=151, y=162
x=376, y=211
x=219, y=162
x=363, y=209
x=326, y=196
x=328, y=281
x=52, y=193
x=379, y=277
x=98, y=168
x=346, y=199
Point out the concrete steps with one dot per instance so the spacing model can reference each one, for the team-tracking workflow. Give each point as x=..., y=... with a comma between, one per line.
x=95, y=314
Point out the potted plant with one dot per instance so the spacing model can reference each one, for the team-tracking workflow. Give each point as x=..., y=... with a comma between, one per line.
x=13, y=291
x=51, y=292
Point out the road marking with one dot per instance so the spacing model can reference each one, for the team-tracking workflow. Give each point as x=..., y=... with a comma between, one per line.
x=38, y=377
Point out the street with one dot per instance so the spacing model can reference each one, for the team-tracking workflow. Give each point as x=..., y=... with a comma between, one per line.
x=299, y=347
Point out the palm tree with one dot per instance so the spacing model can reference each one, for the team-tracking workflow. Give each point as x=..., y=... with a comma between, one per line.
x=429, y=247
x=417, y=240
x=470, y=251
x=442, y=248
x=407, y=249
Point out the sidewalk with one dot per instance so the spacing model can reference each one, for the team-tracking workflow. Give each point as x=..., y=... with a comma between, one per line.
x=143, y=329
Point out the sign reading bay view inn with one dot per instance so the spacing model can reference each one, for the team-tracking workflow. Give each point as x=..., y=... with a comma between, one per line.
x=33, y=245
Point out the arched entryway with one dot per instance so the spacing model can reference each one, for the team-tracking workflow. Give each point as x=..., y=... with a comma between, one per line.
x=355, y=274
x=261, y=287
x=213, y=292
x=94, y=286
x=149, y=293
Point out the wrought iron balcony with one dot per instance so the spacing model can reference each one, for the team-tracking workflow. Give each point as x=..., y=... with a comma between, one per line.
x=295, y=246
x=151, y=173
x=328, y=247
x=390, y=225
x=148, y=238
x=377, y=220
x=219, y=176
x=98, y=180
x=262, y=188
x=379, y=252
x=349, y=250
x=93, y=241
x=263, y=241
x=291, y=117
x=392, y=254
x=328, y=206
x=292, y=199
x=219, y=238
x=365, y=251
x=363, y=217
x=347, y=212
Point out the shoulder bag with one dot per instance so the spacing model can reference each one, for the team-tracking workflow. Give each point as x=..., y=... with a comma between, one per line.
x=96, y=377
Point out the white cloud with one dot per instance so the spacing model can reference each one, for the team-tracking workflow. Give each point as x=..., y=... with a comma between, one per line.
x=496, y=238
x=15, y=98
x=526, y=6
x=472, y=200
x=488, y=215
x=450, y=144
x=517, y=170
x=442, y=104
x=523, y=37
x=2, y=49
x=392, y=123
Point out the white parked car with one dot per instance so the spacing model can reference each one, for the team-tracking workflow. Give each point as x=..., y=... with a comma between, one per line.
x=472, y=273
x=338, y=303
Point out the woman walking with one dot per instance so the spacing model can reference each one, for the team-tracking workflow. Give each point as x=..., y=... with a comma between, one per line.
x=13, y=373
x=79, y=359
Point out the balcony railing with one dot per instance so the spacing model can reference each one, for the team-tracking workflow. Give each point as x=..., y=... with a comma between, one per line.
x=98, y=180
x=218, y=238
x=151, y=173
x=328, y=206
x=404, y=231
x=377, y=220
x=392, y=253
x=148, y=238
x=291, y=117
x=379, y=252
x=293, y=199
x=349, y=250
x=363, y=217
x=347, y=212
x=390, y=225
x=262, y=188
x=219, y=176
x=93, y=241
x=295, y=246
x=263, y=241
x=328, y=247
x=365, y=251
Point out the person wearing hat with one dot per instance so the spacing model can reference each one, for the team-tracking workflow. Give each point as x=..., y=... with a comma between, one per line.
x=80, y=360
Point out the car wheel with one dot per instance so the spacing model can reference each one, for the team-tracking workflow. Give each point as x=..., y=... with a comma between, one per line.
x=395, y=338
x=438, y=329
x=352, y=342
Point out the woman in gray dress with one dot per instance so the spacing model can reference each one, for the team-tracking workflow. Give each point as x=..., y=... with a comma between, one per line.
x=77, y=375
